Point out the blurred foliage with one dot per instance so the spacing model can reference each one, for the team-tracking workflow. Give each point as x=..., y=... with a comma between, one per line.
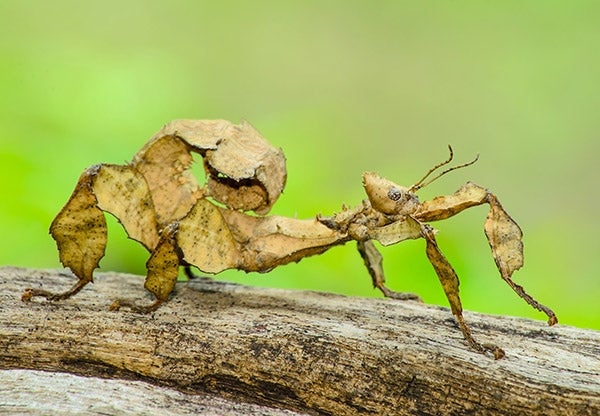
x=342, y=87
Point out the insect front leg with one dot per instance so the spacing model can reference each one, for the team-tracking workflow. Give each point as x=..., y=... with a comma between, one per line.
x=374, y=263
x=450, y=283
x=503, y=233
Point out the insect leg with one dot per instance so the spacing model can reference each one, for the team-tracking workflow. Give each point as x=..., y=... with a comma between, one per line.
x=374, y=262
x=31, y=293
x=504, y=236
x=80, y=233
x=450, y=283
x=163, y=270
x=503, y=233
x=187, y=269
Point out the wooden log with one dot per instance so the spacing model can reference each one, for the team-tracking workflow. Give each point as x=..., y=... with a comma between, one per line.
x=32, y=392
x=307, y=352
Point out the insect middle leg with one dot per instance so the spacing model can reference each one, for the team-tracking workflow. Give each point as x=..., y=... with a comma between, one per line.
x=374, y=262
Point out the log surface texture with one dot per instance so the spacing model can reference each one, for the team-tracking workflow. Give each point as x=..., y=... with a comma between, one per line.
x=222, y=348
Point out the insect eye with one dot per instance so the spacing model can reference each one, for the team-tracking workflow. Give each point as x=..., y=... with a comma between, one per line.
x=394, y=194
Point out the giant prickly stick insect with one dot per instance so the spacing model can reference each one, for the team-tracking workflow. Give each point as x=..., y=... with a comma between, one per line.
x=160, y=204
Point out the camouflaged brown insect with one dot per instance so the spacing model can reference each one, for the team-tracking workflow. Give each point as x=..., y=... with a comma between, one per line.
x=160, y=204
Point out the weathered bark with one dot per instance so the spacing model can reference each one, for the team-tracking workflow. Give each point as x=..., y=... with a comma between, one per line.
x=307, y=352
x=31, y=392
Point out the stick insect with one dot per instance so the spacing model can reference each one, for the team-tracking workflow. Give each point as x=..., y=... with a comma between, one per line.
x=181, y=223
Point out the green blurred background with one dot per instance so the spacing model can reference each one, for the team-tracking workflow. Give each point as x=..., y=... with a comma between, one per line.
x=342, y=87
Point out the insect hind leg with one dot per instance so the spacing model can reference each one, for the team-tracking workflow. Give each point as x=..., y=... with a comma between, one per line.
x=30, y=293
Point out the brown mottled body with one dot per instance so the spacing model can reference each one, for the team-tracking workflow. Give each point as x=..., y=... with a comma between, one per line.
x=160, y=204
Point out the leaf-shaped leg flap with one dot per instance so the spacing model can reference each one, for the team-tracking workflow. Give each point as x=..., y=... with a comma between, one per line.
x=163, y=270
x=450, y=283
x=163, y=265
x=505, y=238
x=79, y=230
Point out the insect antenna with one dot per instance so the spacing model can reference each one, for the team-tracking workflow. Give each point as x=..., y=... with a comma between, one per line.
x=420, y=183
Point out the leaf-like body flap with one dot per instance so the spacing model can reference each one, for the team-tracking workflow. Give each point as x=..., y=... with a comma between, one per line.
x=165, y=162
x=123, y=192
x=205, y=240
x=268, y=242
x=245, y=171
x=404, y=229
x=280, y=240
